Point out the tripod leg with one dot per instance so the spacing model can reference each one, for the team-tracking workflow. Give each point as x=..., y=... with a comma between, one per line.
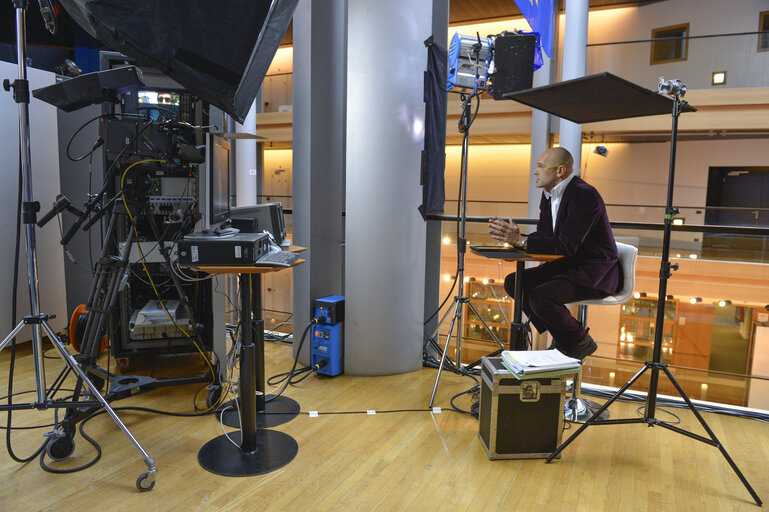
x=13, y=334
x=716, y=442
x=597, y=414
x=457, y=305
x=488, y=329
x=440, y=322
x=148, y=479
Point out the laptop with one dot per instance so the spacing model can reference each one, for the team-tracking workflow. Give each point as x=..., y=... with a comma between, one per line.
x=496, y=251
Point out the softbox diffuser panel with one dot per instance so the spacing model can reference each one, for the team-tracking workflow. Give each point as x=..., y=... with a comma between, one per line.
x=600, y=97
x=220, y=51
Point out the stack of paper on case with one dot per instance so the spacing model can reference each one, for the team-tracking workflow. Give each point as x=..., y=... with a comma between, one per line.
x=538, y=362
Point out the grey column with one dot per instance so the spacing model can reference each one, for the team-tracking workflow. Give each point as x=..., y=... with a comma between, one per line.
x=574, y=58
x=433, y=244
x=246, y=161
x=318, y=154
x=541, y=136
x=385, y=234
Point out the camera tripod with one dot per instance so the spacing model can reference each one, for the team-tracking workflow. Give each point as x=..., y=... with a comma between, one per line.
x=675, y=89
x=36, y=320
x=89, y=328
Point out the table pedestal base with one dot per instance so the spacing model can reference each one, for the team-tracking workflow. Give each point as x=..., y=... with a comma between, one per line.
x=273, y=451
x=277, y=412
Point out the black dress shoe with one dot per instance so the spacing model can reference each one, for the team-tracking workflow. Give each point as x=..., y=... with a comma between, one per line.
x=582, y=349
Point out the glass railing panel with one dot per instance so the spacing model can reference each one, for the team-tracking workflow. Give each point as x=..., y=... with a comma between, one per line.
x=717, y=304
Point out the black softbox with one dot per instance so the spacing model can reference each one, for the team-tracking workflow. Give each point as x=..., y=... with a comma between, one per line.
x=219, y=50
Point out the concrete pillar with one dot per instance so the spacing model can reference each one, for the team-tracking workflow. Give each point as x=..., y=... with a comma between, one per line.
x=385, y=234
x=433, y=235
x=246, y=161
x=319, y=128
x=541, y=122
x=574, y=58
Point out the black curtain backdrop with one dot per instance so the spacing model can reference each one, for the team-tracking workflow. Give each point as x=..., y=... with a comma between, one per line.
x=434, y=153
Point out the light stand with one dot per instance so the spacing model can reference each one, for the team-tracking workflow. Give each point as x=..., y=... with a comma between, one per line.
x=460, y=300
x=35, y=319
x=676, y=90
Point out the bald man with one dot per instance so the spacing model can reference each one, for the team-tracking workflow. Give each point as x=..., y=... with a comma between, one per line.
x=572, y=222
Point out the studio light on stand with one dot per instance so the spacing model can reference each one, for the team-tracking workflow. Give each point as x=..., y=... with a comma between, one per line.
x=497, y=65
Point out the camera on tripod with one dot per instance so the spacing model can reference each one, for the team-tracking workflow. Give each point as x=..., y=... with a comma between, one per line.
x=671, y=87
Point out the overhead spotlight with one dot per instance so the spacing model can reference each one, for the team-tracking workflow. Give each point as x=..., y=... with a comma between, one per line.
x=669, y=297
x=601, y=150
x=695, y=300
x=491, y=281
x=638, y=295
x=718, y=78
x=723, y=303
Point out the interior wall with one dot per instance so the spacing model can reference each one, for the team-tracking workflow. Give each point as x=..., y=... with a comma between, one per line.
x=45, y=186
x=738, y=55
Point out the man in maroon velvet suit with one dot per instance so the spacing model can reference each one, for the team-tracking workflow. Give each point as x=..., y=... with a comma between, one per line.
x=590, y=267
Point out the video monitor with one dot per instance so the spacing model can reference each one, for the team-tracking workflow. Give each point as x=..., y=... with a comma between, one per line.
x=215, y=185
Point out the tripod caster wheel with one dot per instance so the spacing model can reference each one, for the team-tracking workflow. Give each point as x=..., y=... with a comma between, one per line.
x=60, y=448
x=144, y=483
x=213, y=397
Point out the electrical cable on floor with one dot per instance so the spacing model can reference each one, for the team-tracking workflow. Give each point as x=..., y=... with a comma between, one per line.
x=287, y=380
x=96, y=444
x=474, y=394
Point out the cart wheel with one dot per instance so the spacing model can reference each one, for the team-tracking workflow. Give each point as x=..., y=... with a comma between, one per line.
x=213, y=396
x=60, y=448
x=144, y=484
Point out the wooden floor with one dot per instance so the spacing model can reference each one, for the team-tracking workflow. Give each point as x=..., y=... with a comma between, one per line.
x=412, y=461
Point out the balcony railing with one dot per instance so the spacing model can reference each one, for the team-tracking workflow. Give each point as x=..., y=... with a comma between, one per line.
x=717, y=306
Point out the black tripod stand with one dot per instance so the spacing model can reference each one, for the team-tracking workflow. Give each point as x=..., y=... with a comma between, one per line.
x=36, y=319
x=676, y=90
x=465, y=120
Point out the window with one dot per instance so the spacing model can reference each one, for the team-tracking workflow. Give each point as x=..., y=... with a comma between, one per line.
x=673, y=44
x=763, y=26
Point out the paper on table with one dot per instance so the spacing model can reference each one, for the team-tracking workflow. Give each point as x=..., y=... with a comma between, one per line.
x=541, y=358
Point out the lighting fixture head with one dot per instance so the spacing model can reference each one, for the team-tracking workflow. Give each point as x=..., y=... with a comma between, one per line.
x=695, y=300
x=718, y=78
x=723, y=303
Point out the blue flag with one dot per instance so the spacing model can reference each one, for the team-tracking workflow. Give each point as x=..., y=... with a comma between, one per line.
x=539, y=14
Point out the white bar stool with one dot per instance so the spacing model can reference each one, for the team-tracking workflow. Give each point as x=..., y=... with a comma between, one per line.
x=579, y=410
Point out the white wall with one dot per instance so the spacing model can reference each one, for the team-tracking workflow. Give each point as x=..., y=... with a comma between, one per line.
x=45, y=183
x=738, y=55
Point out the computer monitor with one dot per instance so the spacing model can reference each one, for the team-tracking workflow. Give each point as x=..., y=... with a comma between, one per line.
x=215, y=185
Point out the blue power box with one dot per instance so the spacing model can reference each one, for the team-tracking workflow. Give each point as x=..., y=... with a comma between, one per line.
x=326, y=343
